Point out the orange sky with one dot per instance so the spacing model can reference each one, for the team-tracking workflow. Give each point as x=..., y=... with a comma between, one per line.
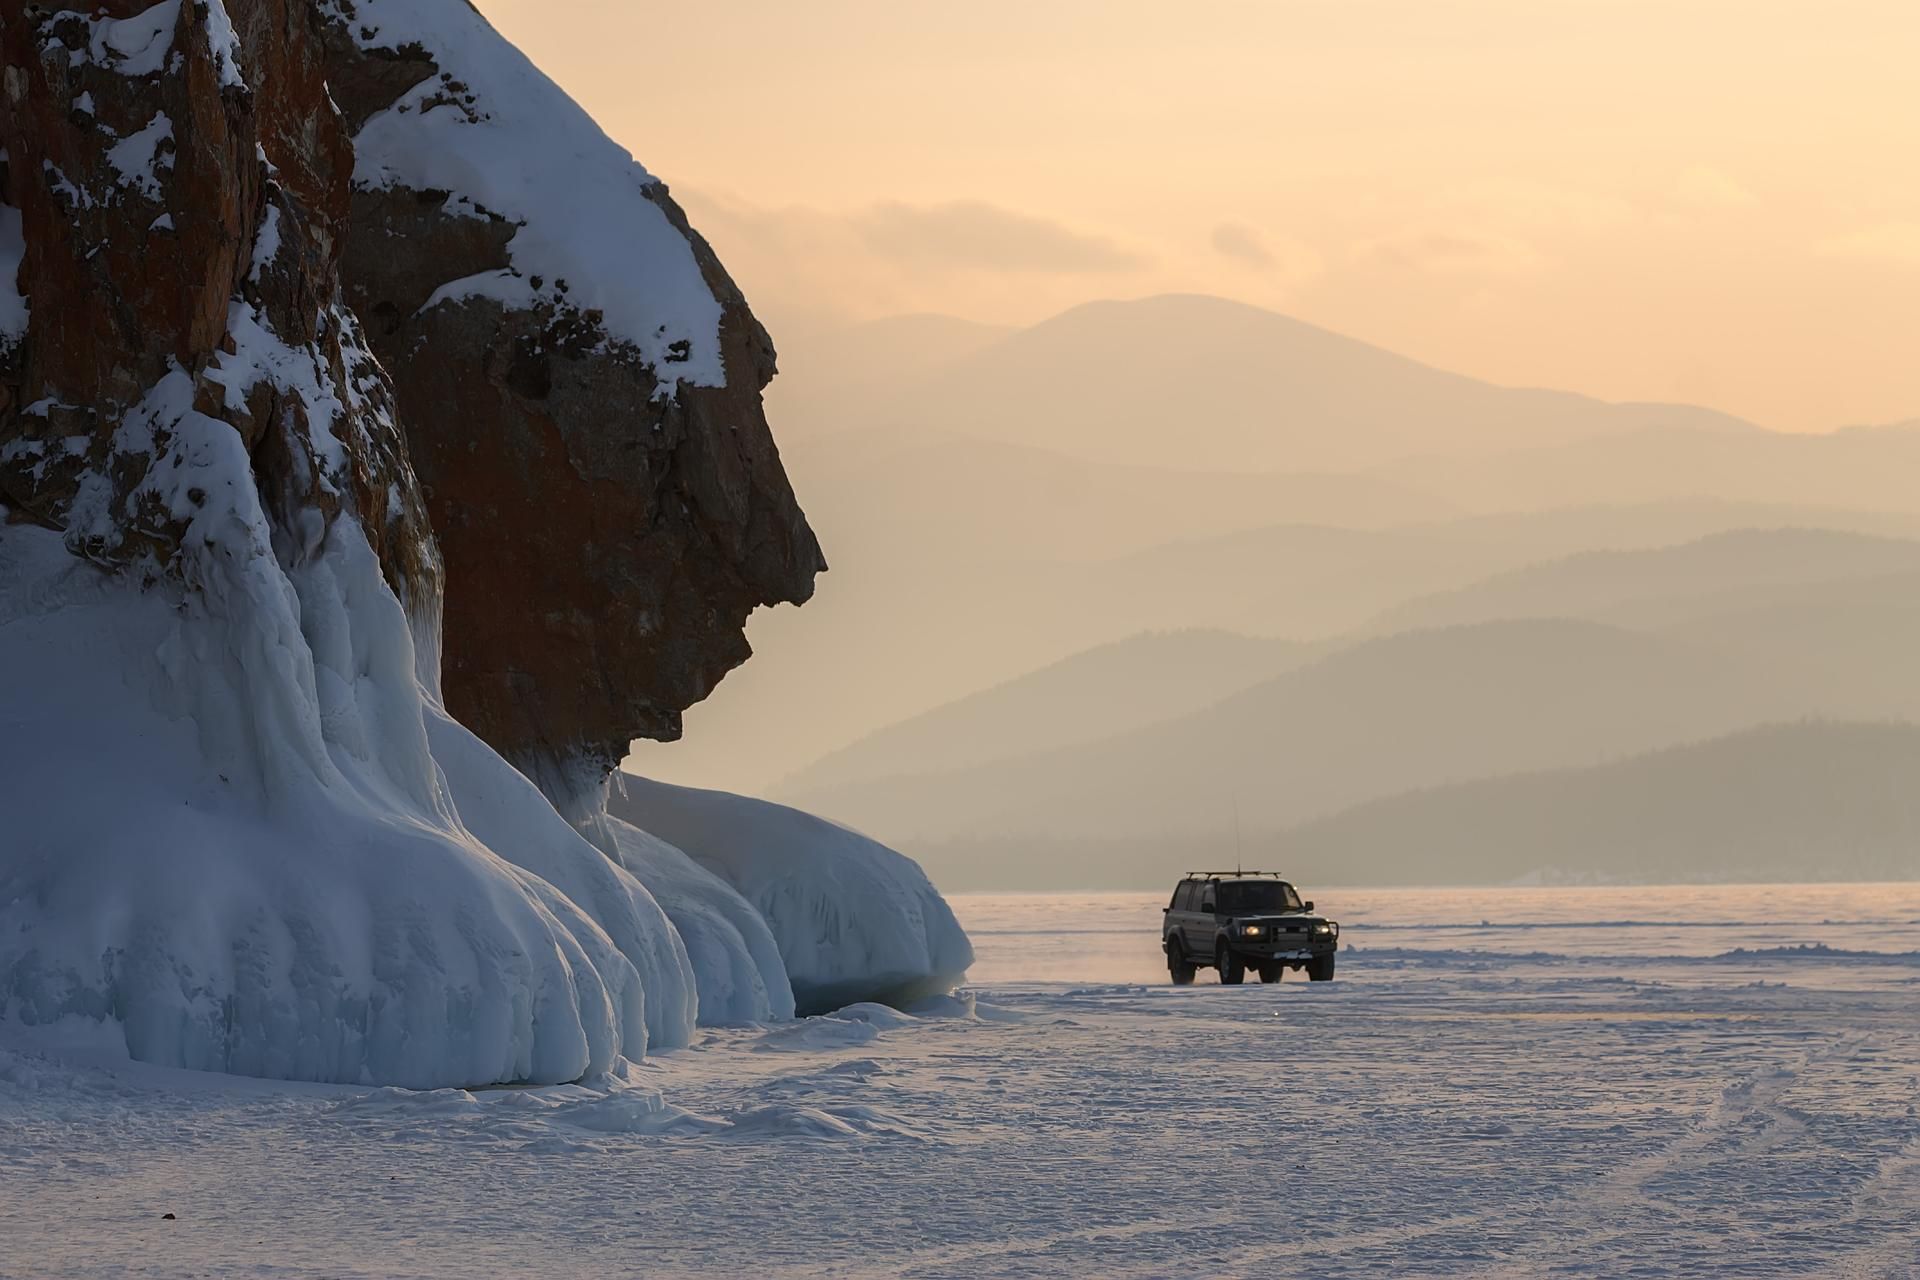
x=1641, y=200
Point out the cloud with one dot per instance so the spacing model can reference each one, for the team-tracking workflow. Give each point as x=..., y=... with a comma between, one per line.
x=1242, y=244
x=959, y=258
x=975, y=235
x=1702, y=187
x=1454, y=252
x=1889, y=242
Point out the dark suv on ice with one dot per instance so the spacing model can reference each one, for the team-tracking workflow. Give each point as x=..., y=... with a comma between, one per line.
x=1245, y=920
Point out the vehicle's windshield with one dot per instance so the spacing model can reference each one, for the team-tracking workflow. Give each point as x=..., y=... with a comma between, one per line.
x=1257, y=895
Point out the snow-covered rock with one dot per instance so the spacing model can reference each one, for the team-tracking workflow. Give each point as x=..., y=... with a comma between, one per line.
x=854, y=920
x=242, y=831
x=228, y=839
x=581, y=381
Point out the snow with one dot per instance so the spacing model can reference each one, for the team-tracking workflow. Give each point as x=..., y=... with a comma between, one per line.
x=508, y=288
x=139, y=45
x=138, y=158
x=134, y=46
x=1586, y=1118
x=61, y=184
x=260, y=355
x=266, y=243
x=496, y=133
x=854, y=920
x=225, y=43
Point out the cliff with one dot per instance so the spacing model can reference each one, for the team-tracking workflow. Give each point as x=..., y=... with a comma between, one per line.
x=326, y=331
x=581, y=381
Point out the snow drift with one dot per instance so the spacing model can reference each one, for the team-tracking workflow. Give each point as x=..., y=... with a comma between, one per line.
x=854, y=919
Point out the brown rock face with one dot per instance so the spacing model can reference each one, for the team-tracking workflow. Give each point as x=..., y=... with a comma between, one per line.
x=606, y=533
x=197, y=261
x=183, y=188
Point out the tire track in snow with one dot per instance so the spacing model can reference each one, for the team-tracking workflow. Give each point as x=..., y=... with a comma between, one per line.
x=920, y=1261
x=1889, y=1196
x=1620, y=1203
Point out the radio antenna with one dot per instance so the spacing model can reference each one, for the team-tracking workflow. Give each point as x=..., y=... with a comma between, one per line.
x=1237, y=869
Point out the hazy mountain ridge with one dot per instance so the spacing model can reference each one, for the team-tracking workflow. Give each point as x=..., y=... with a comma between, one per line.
x=1402, y=711
x=1856, y=468
x=959, y=496
x=1590, y=583
x=1814, y=800
x=1856, y=614
x=889, y=649
x=1804, y=801
x=1086, y=697
x=1207, y=383
x=1011, y=509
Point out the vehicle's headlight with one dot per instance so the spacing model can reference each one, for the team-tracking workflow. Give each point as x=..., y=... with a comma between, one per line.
x=1250, y=930
x=1323, y=928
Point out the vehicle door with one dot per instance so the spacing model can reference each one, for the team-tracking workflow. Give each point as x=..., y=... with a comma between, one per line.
x=1179, y=920
x=1200, y=923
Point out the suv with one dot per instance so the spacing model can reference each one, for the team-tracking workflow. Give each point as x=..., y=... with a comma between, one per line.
x=1245, y=920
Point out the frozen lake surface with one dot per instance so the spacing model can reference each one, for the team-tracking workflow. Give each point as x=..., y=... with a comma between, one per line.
x=1510, y=1083
x=1113, y=937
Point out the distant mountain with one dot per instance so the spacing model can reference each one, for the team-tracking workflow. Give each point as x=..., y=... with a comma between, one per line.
x=932, y=493
x=1859, y=468
x=1854, y=641
x=828, y=373
x=1411, y=710
x=992, y=501
x=1209, y=384
x=1810, y=801
x=913, y=616
x=1089, y=696
x=1692, y=579
x=1799, y=802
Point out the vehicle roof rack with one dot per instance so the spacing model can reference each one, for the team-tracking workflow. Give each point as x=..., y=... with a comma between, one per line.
x=1233, y=875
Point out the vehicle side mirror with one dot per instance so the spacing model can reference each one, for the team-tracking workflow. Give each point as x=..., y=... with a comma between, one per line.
x=1206, y=905
x=1307, y=905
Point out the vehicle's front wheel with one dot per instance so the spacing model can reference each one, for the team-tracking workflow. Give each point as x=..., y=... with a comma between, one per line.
x=1233, y=971
x=1320, y=968
x=1179, y=968
x=1272, y=972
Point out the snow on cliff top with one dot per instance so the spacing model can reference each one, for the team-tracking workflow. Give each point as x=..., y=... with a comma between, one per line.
x=492, y=129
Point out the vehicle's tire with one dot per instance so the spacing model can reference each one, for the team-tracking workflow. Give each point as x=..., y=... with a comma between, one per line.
x=1179, y=968
x=1272, y=972
x=1320, y=968
x=1233, y=970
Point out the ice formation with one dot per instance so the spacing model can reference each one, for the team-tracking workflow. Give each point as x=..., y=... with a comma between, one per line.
x=226, y=833
x=854, y=920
